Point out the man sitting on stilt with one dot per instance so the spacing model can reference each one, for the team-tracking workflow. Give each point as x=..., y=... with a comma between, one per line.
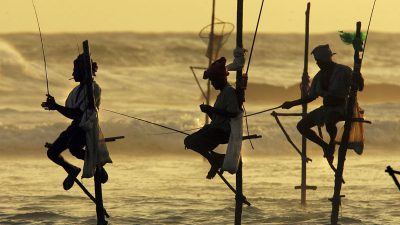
x=217, y=132
x=73, y=137
x=332, y=83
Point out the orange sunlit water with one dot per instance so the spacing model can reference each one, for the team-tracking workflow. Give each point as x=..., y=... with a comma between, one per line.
x=161, y=191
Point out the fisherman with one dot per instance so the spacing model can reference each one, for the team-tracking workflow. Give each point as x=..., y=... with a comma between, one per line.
x=73, y=137
x=332, y=83
x=218, y=131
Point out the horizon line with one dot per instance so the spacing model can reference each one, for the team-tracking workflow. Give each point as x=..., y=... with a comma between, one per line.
x=176, y=32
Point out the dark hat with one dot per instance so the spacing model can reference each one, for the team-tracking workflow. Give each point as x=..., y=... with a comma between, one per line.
x=322, y=52
x=79, y=62
x=216, y=70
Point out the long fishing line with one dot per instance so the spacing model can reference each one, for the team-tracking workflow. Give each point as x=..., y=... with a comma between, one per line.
x=263, y=111
x=146, y=121
x=366, y=36
x=41, y=41
x=255, y=35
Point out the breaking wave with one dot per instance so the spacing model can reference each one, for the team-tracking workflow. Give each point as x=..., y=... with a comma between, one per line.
x=147, y=75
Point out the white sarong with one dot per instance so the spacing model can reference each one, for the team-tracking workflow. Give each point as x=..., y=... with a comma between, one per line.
x=96, y=153
x=233, y=152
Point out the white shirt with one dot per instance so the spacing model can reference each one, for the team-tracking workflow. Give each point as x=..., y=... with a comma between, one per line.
x=77, y=97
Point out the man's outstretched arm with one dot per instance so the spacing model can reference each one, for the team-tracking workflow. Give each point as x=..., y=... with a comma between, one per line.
x=290, y=104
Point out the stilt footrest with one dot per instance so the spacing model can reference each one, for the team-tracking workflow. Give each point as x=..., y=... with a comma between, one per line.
x=110, y=139
x=341, y=196
x=307, y=187
x=253, y=136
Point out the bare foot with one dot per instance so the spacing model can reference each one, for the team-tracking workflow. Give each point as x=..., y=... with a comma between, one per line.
x=217, y=161
x=69, y=181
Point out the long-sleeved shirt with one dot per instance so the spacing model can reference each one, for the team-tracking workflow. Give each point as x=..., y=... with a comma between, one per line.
x=226, y=100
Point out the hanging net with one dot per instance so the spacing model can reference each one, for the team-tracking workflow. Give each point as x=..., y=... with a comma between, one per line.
x=222, y=30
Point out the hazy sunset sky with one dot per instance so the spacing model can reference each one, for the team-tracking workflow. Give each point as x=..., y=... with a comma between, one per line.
x=284, y=16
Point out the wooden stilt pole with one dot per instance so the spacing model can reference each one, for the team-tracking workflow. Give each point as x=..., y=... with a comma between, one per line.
x=393, y=173
x=336, y=200
x=305, y=86
x=99, y=197
x=211, y=58
x=240, y=94
x=239, y=44
x=83, y=188
x=239, y=197
x=88, y=82
x=90, y=195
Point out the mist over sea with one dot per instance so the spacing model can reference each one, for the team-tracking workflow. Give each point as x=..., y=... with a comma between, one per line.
x=147, y=75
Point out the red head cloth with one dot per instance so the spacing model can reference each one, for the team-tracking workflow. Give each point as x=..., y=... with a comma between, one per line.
x=216, y=70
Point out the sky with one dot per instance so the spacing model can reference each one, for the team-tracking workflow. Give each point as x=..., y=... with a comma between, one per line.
x=279, y=16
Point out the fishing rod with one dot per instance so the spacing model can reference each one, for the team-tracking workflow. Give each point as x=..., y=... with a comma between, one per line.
x=41, y=41
x=176, y=130
x=248, y=66
x=366, y=36
x=173, y=132
x=146, y=121
x=263, y=111
x=255, y=35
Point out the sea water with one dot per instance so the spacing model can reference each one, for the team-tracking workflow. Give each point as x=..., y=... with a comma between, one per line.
x=148, y=76
x=155, y=190
x=154, y=180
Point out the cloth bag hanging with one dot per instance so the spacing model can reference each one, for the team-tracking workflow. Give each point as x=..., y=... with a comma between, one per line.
x=356, y=137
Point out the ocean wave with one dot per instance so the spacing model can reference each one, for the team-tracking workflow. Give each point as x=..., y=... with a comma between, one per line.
x=148, y=75
x=145, y=139
x=132, y=66
x=270, y=62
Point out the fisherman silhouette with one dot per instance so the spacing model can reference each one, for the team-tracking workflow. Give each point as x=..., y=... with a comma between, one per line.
x=332, y=83
x=217, y=132
x=73, y=137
